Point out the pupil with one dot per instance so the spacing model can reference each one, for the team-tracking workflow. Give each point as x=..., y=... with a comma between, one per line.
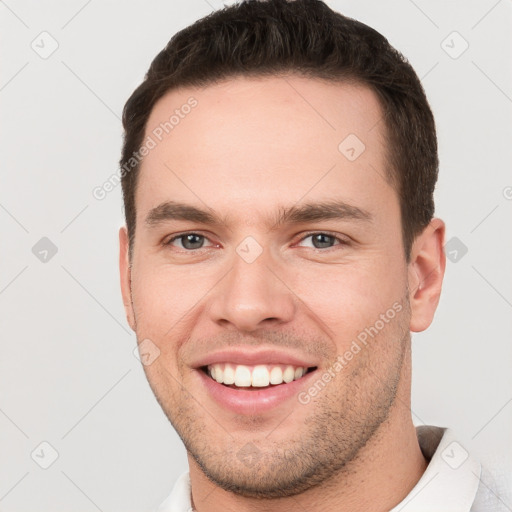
x=322, y=239
x=189, y=240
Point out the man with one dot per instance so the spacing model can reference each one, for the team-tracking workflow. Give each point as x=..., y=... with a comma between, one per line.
x=278, y=171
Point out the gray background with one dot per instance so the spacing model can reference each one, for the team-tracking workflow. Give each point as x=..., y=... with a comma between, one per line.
x=68, y=376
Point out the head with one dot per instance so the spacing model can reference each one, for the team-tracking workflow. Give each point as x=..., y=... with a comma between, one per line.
x=279, y=164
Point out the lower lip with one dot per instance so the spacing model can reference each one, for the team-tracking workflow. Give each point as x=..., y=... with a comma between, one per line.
x=254, y=401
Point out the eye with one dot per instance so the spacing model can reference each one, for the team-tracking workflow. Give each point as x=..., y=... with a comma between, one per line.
x=321, y=240
x=188, y=241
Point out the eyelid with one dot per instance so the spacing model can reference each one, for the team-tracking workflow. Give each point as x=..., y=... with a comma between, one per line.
x=183, y=234
x=343, y=240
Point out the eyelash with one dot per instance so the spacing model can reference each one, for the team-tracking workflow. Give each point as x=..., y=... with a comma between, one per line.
x=342, y=241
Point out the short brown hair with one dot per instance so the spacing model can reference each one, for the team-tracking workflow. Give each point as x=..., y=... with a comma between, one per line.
x=304, y=37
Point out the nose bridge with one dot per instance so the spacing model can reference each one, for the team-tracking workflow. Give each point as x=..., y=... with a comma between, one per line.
x=251, y=293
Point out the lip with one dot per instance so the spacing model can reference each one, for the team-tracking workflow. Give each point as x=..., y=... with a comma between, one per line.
x=251, y=357
x=256, y=401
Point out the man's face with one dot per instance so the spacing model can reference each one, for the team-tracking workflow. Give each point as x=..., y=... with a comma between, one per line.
x=261, y=288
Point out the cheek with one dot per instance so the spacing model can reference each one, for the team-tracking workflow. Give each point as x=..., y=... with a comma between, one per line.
x=349, y=298
x=164, y=298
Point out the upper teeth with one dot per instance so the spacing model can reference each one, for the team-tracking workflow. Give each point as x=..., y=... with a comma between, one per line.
x=257, y=376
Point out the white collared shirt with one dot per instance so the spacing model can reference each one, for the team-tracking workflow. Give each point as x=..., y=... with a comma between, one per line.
x=453, y=481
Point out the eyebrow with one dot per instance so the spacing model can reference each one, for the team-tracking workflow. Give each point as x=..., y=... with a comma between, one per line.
x=296, y=214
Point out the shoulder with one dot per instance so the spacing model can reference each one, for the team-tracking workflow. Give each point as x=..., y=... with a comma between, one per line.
x=494, y=492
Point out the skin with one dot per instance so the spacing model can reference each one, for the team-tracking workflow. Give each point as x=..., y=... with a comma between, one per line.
x=250, y=146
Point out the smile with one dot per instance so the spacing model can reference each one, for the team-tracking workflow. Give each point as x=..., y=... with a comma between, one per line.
x=255, y=376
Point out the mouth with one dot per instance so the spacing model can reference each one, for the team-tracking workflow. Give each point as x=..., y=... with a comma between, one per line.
x=255, y=377
x=251, y=382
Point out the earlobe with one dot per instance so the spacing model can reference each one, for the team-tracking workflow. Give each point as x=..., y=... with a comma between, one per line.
x=426, y=272
x=125, y=276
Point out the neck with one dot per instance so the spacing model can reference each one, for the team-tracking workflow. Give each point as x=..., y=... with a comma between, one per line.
x=381, y=475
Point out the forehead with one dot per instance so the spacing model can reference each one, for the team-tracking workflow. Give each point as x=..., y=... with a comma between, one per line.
x=272, y=139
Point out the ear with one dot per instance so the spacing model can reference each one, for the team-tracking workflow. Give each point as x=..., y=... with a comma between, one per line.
x=125, y=274
x=426, y=272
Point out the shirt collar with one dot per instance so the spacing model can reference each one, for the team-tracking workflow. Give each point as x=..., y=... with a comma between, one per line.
x=180, y=498
x=450, y=481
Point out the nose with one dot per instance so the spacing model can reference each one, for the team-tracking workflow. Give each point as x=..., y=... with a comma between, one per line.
x=252, y=295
